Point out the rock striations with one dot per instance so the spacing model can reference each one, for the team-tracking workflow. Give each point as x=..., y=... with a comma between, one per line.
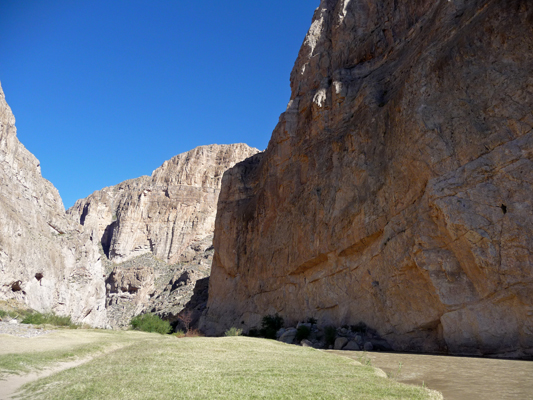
x=46, y=261
x=165, y=214
x=157, y=231
x=397, y=187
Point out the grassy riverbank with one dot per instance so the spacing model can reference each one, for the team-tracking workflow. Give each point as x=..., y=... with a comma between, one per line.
x=143, y=366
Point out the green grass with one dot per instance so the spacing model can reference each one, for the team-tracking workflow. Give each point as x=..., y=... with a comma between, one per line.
x=163, y=367
x=20, y=355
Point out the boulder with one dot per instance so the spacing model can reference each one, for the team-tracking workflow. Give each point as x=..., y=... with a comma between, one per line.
x=368, y=346
x=351, y=345
x=288, y=336
x=339, y=343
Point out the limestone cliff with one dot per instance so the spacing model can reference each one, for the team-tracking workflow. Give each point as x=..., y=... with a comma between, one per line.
x=157, y=231
x=45, y=260
x=397, y=187
x=164, y=214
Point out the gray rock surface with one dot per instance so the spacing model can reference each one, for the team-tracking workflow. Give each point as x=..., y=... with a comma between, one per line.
x=339, y=343
x=157, y=234
x=351, y=346
x=46, y=261
x=288, y=336
x=167, y=214
x=396, y=189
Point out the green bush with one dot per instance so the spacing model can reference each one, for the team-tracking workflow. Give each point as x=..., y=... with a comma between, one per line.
x=312, y=320
x=330, y=334
x=233, y=332
x=270, y=324
x=254, y=333
x=150, y=323
x=302, y=333
x=37, y=318
x=3, y=313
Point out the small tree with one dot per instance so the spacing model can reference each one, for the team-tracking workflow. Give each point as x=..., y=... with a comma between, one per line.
x=186, y=318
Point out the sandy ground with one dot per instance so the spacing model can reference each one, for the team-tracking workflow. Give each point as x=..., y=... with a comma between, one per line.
x=58, y=340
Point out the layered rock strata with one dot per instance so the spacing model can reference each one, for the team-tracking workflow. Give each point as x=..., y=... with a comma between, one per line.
x=396, y=189
x=157, y=232
x=164, y=214
x=46, y=261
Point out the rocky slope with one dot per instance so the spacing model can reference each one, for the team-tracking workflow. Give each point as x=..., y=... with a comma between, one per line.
x=157, y=231
x=46, y=261
x=396, y=189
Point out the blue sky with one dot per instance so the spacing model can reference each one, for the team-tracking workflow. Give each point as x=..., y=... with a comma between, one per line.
x=107, y=90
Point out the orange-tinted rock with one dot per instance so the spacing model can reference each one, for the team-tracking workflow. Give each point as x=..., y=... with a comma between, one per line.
x=397, y=187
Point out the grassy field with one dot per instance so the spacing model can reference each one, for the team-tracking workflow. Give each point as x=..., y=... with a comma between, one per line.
x=151, y=366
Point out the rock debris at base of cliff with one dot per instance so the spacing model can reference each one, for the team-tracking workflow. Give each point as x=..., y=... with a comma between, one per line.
x=396, y=189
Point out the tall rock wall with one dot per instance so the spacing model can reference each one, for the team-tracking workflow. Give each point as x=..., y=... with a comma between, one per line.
x=157, y=232
x=46, y=261
x=397, y=187
x=164, y=214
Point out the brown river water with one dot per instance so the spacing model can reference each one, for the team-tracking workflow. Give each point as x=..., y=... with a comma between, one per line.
x=457, y=378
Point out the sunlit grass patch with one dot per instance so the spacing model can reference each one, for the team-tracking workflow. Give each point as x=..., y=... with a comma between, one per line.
x=237, y=367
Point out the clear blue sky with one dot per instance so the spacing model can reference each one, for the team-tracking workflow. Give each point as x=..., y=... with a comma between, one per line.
x=107, y=90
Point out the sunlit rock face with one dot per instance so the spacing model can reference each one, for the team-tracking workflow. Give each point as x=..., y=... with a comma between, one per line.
x=46, y=261
x=163, y=214
x=156, y=230
x=397, y=187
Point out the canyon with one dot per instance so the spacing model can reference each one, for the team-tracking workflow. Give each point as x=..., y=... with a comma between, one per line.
x=157, y=233
x=144, y=245
x=395, y=193
x=396, y=188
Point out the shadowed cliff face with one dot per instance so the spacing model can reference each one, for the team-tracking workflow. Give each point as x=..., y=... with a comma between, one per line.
x=396, y=189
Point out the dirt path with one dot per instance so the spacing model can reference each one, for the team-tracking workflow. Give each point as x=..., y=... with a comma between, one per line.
x=10, y=385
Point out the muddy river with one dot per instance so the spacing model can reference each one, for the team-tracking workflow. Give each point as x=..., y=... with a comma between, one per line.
x=457, y=378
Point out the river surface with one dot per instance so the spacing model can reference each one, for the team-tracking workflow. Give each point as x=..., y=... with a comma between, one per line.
x=457, y=378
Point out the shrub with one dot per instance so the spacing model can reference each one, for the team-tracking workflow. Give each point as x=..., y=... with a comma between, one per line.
x=180, y=334
x=330, y=333
x=194, y=333
x=270, y=324
x=37, y=318
x=253, y=332
x=312, y=321
x=233, y=332
x=150, y=323
x=302, y=333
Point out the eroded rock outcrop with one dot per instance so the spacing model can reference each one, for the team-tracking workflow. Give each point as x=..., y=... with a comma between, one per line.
x=46, y=261
x=157, y=232
x=163, y=214
x=396, y=189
